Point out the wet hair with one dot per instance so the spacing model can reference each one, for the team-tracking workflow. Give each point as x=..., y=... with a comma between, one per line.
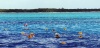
x=57, y=36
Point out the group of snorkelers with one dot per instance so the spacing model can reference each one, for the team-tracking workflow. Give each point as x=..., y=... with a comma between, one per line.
x=57, y=35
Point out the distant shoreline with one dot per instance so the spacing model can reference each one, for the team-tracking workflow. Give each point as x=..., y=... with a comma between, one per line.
x=49, y=10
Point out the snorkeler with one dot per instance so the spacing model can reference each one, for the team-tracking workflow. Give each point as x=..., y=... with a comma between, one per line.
x=25, y=26
x=46, y=29
x=57, y=35
x=53, y=30
x=64, y=28
x=63, y=43
x=23, y=33
x=5, y=29
x=80, y=34
x=31, y=35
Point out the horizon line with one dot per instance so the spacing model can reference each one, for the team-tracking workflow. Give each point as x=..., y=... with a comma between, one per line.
x=55, y=8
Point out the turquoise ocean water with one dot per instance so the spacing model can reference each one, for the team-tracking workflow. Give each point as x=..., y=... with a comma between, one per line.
x=12, y=24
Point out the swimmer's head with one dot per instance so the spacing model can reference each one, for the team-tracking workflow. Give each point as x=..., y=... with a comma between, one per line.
x=57, y=35
x=63, y=42
x=64, y=28
x=53, y=30
x=25, y=24
x=80, y=33
x=5, y=29
x=22, y=33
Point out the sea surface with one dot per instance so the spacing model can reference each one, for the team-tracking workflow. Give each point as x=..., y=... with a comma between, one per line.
x=67, y=24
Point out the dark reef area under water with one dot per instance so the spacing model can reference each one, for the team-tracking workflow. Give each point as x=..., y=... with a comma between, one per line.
x=49, y=10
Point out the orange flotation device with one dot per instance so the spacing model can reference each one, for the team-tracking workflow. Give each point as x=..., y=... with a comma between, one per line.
x=31, y=35
x=63, y=43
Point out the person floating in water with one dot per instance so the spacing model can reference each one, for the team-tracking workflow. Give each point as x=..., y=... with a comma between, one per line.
x=46, y=29
x=31, y=35
x=80, y=34
x=26, y=26
x=57, y=35
x=63, y=43
x=5, y=29
x=65, y=28
x=53, y=30
x=23, y=33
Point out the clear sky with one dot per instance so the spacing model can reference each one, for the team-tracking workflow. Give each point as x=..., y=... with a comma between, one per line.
x=31, y=4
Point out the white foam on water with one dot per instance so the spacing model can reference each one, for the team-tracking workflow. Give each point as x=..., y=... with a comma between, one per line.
x=60, y=26
x=4, y=40
x=21, y=46
x=44, y=40
x=71, y=41
x=15, y=40
x=80, y=47
x=48, y=40
x=51, y=46
x=6, y=32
